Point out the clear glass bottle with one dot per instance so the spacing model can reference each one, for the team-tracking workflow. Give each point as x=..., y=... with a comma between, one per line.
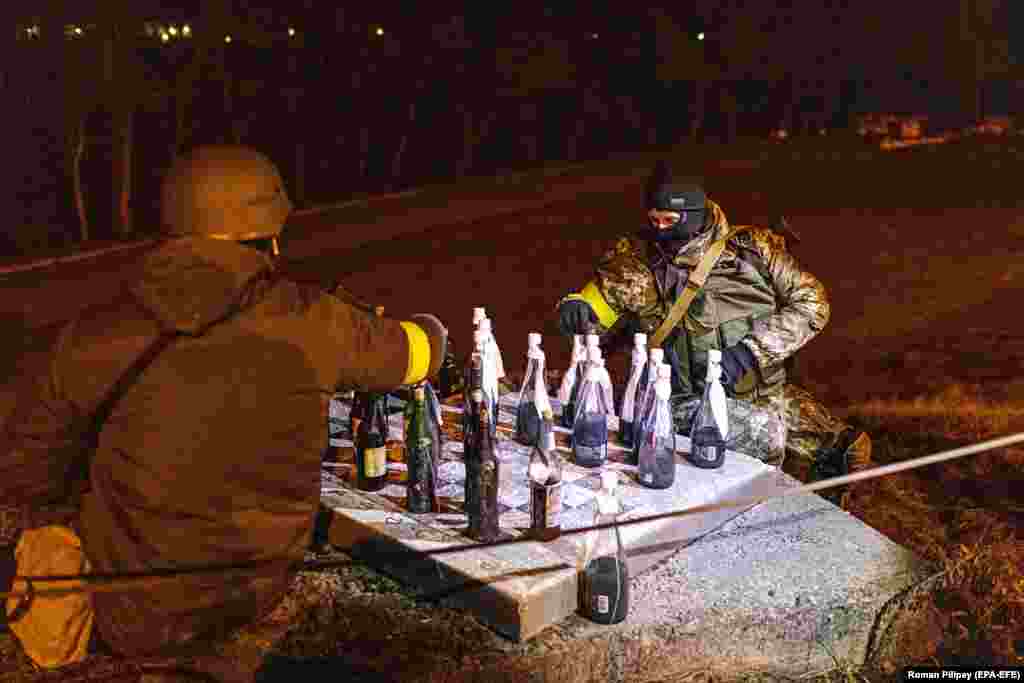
x=645, y=392
x=571, y=381
x=627, y=412
x=590, y=428
x=422, y=453
x=545, y=479
x=605, y=578
x=533, y=395
x=371, y=445
x=656, y=440
x=710, y=427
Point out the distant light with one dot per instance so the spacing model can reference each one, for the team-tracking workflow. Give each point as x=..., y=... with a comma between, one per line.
x=78, y=30
x=700, y=36
x=380, y=31
x=164, y=37
x=594, y=36
x=173, y=30
x=186, y=30
x=227, y=39
x=291, y=31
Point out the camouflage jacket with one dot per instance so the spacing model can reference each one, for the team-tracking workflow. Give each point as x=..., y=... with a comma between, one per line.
x=756, y=294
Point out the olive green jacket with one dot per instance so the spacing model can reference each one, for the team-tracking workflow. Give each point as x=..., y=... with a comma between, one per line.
x=213, y=455
x=756, y=294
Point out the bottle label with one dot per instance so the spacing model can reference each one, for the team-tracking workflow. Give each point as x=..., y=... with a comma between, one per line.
x=553, y=513
x=546, y=507
x=603, y=604
x=376, y=462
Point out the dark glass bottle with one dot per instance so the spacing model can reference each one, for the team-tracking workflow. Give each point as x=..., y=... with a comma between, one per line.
x=711, y=423
x=482, y=469
x=448, y=381
x=421, y=455
x=605, y=580
x=569, y=388
x=545, y=475
x=371, y=445
x=590, y=429
x=533, y=396
x=645, y=394
x=473, y=376
x=656, y=442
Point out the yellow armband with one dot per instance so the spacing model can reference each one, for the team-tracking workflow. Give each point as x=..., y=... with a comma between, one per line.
x=419, y=353
x=592, y=295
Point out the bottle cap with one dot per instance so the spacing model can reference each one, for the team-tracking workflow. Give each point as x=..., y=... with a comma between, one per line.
x=378, y=311
x=714, y=356
x=657, y=355
x=593, y=340
x=478, y=315
x=533, y=339
x=485, y=325
x=609, y=480
x=640, y=339
x=664, y=371
x=594, y=353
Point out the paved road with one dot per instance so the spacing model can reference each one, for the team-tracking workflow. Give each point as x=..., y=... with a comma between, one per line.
x=896, y=273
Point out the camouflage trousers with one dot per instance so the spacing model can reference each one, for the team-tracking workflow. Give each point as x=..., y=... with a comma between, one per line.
x=790, y=423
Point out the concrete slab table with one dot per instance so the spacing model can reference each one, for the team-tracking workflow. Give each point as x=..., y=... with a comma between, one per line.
x=520, y=589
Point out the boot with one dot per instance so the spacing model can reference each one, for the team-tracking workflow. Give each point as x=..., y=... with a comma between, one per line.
x=850, y=454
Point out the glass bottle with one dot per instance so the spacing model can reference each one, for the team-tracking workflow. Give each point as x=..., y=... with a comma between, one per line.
x=422, y=453
x=482, y=469
x=710, y=427
x=590, y=428
x=371, y=445
x=605, y=578
x=571, y=380
x=656, y=440
x=545, y=475
x=474, y=387
x=469, y=380
x=491, y=369
x=448, y=376
x=645, y=391
x=627, y=412
x=533, y=396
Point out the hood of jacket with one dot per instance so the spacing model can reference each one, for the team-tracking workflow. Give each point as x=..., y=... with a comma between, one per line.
x=188, y=284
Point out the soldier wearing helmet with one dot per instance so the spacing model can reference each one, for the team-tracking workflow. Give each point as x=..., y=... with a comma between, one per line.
x=212, y=452
x=757, y=306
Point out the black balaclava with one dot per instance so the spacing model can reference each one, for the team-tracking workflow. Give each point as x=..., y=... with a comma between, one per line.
x=686, y=196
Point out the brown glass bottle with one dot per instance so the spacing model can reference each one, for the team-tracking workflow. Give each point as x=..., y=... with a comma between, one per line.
x=482, y=467
x=370, y=442
x=545, y=479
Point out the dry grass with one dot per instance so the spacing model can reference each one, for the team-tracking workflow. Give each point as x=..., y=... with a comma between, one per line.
x=966, y=515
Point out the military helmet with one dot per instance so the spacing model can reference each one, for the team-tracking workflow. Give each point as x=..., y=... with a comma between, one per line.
x=229, y=192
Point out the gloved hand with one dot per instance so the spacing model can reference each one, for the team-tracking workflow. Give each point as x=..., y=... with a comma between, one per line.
x=576, y=317
x=737, y=360
x=437, y=333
